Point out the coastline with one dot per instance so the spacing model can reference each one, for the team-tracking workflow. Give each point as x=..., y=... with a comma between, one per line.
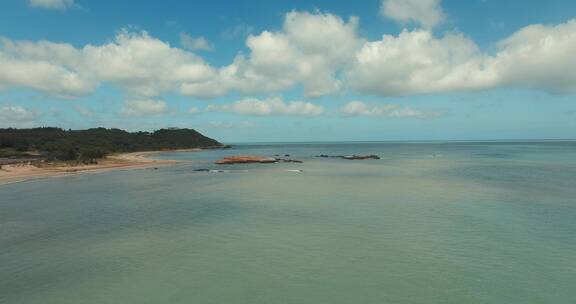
x=14, y=173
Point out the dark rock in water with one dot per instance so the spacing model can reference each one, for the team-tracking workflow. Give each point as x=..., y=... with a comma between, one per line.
x=361, y=157
x=289, y=160
x=210, y=170
x=330, y=156
x=254, y=159
x=230, y=160
x=350, y=157
x=286, y=155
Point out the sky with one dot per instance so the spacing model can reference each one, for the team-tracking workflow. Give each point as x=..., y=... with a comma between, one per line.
x=293, y=71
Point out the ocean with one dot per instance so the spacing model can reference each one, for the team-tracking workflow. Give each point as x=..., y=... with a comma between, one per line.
x=430, y=222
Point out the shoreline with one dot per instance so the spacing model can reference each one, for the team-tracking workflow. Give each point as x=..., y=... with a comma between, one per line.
x=21, y=172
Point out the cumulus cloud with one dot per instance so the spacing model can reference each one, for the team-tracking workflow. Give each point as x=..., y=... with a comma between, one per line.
x=52, y=4
x=539, y=57
x=145, y=66
x=16, y=116
x=195, y=43
x=144, y=107
x=136, y=62
x=296, y=55
x=208, y=89
x=417, y=62
x=270, y=107
x=359, y=108
x=321, y=52
x=43, y=66
x=427, y=13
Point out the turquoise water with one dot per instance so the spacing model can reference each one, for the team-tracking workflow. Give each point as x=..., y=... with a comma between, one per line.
x=428, y=223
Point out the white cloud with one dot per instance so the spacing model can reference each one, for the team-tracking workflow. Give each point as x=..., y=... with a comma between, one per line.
x=538, y=57
x=147, y=67
x=193, y=110
x=296, y=55
x=416, y=62
x=270, y=107
x=195, y=43
x=43, y=66
x=43, y=76
x=319, y=51
x=144, y=107
x=52, y=4
x=280, y=60
x=208, y=89
x=141, y=65
x=16, y=116
x=359, y=108
x=427, y=13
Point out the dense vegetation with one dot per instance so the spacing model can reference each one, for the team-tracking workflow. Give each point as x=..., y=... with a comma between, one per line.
x=89, y=145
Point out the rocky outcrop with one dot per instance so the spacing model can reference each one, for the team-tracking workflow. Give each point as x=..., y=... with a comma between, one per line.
x=329, y=156
x=230, y=160
x=361, y=157
x=283, y=160
x=350, y=157
x=245, y=160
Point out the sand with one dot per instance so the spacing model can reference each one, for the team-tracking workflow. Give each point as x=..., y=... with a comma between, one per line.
x=26, y=171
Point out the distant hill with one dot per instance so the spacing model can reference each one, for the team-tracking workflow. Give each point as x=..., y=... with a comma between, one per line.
x=88, y=145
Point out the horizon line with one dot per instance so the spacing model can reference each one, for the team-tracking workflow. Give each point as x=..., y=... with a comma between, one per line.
x=528, y=140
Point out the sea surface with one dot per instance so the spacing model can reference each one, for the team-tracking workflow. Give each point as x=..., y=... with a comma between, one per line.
x=431, y=222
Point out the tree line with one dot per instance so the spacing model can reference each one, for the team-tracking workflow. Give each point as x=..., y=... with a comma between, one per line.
x=92, y=144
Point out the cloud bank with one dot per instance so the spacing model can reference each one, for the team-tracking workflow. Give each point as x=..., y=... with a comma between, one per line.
x=17, y=116
x=269, y=107
x=331, y=59
x=416, y=62
x=359, y=108
x=144, y=107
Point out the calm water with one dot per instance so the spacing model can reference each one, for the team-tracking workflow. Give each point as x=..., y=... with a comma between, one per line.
x=429, y=223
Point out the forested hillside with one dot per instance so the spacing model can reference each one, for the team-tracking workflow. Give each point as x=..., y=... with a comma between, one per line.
x=83, y=145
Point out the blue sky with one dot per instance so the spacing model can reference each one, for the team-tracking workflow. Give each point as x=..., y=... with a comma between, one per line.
x=293, y=70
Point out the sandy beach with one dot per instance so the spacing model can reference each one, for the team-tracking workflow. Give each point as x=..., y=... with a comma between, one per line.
x=25, y=171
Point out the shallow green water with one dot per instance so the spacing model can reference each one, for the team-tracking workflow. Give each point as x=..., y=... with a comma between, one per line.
x=428, y=223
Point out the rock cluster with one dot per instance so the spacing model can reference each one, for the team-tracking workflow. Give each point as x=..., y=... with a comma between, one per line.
x=350, y=157
x=248, y=159
x=361, y=157
x=253, y=159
